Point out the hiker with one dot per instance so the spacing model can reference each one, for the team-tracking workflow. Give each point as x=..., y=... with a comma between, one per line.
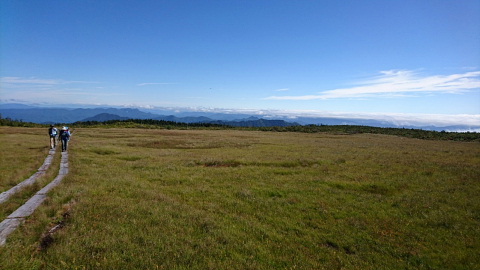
x=65, y=136
x=52, y=132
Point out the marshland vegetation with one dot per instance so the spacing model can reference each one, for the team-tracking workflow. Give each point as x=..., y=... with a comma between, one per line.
x=218, y=198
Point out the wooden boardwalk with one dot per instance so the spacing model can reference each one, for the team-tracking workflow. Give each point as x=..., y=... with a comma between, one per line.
x=4, y=196
x=18, y=216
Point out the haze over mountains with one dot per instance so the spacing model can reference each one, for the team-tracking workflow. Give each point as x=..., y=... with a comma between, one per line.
x=47, y=115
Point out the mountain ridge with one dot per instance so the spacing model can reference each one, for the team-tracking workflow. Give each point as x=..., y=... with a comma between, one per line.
x=49, y=115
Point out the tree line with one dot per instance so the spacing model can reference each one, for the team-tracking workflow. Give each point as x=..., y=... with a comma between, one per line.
x=17, y=123
x=331, y=129
x=403, y=132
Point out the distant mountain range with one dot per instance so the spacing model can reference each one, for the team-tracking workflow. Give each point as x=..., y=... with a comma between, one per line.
x=105, y=117
x=46, y=115
x=67, y=115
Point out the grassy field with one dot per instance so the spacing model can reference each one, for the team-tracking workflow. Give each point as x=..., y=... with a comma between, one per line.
x=229, y=199
x=23, y=152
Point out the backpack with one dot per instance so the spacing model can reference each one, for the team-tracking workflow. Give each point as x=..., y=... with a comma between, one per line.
x=53, y=132
x=65, y=134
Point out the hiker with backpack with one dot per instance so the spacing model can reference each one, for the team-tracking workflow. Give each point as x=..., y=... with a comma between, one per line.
x=52, y=132
x=65, y=137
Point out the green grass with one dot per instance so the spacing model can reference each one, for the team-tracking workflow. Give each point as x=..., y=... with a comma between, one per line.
x=23, y=151
x=229, y=199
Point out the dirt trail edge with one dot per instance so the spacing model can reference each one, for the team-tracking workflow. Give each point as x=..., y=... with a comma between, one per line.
x=18, y=216
x=4, y=196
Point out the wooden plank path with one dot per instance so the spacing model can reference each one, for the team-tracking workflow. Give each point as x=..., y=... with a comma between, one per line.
x=18, y=216
x=4, y=196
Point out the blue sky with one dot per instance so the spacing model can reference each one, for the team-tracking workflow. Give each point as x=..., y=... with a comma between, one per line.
x=372, y=56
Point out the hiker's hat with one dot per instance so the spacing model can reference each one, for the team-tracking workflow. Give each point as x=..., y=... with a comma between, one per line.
x=64, y=128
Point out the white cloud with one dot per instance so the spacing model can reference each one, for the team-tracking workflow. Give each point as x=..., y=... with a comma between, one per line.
x=400, y=119
x=36, y=81
x=282, y=89
x=143, y=84
x=394, y=83
x=19, y=80
x=49, y=90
